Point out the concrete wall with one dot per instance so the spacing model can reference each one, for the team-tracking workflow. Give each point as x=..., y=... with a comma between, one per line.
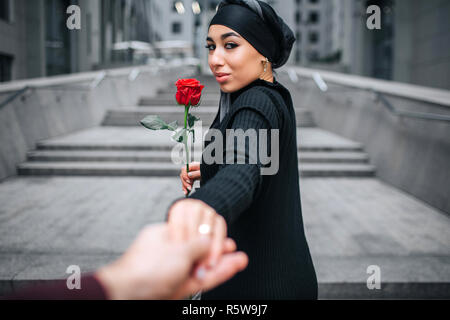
x=22, y=38
x=411, y=154
x=48, y=112
x=422, y=42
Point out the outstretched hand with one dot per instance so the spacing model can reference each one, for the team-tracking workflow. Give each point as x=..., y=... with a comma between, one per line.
x=157, y=267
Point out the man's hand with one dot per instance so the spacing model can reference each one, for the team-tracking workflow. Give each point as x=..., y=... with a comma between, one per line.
x=157, y=267
x=186, y=216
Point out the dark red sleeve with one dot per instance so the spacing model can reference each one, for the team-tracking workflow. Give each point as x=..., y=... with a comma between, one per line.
x=91, y=289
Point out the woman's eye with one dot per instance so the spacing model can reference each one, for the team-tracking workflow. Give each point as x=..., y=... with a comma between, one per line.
x=233, y=45
x=228, y=46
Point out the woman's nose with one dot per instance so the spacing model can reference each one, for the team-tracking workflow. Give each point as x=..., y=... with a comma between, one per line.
x=216, y=58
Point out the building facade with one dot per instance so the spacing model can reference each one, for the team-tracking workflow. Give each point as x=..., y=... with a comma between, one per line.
x=412, y=45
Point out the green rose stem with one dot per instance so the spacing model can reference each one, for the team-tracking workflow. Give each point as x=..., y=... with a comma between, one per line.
x=185, y=138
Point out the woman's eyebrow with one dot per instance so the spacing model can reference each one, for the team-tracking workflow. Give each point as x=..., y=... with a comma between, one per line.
x=224, y=36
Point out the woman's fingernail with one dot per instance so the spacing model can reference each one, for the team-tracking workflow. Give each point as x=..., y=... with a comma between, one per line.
x=212, y=263
x=190, y=174
x=201, y=273
x=189, y=188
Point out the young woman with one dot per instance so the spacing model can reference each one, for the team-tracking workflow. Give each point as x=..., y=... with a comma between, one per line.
x=246, y=41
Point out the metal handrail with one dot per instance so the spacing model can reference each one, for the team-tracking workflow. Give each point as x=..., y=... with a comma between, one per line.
x=23, y=90
x=13, y=96
x=132, y=75
x=321, y=84
x=409, y=114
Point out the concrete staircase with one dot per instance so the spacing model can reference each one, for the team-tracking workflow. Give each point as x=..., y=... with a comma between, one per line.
x=350, y=223
x=122, y=147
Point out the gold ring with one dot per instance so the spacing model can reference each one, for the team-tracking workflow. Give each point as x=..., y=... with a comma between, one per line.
x=204, y=228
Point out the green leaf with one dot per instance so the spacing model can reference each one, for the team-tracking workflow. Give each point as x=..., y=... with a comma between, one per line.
x=154, y=123
x=191, y=120
x=180, y=135
x=173, y=126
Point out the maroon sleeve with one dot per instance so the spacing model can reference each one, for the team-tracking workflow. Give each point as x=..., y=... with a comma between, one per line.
x=91, y=289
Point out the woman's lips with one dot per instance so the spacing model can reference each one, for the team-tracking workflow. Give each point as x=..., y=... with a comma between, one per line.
x=221, y=78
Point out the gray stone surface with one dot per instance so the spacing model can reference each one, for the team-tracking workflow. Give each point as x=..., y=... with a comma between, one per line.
x=165, y=155
x=307, y=138
x=130, y=116
x=49, y=223
x=125, y=151
x=65, y=104
x=167, y=169
x=170, y=101
x=411, y=154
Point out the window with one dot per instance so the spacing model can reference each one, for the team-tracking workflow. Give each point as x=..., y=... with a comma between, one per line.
x=313, y=17
x=198, y=22
x=89, y=33
x=176, y=27
x=5, y=10
x=298, y=17
x=298, y=37
x=313, y=37
x=5, y=67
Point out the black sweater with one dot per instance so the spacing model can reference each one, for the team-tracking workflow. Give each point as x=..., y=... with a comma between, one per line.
x=263, y=212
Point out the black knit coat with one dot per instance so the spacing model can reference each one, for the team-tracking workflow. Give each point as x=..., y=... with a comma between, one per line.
x=263, y=212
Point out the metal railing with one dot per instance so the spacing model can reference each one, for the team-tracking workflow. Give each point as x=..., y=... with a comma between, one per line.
x=379, y=96
x=98, y=79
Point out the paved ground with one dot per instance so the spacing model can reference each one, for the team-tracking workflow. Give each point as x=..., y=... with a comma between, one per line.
x=140, y=136
x=136, y=151
x=49, y=223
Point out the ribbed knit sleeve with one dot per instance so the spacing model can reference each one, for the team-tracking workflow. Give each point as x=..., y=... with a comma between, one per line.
x=235, y=185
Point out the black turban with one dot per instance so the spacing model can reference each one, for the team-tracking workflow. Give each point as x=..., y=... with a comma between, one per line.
x=259, y=24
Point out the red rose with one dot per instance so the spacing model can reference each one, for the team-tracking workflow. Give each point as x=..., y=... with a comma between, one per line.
x=188, y=91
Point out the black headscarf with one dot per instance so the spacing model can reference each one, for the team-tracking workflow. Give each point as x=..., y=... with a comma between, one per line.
x=260, y=25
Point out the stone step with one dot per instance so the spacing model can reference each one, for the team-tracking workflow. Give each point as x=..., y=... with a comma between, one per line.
x=170, y=95
x=163, y=155
x=141, y=139
x=169, y=100
x=208, y=91
x=130, y=116
x=343, y=290
x=333, y=157
x=164, y=169
x=146, y=146
x=336, y=170
x=338, y=290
